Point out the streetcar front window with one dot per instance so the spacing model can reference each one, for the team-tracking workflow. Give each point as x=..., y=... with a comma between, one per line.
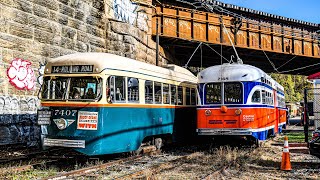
x=75, y=88
x=54, y=88
x=233, y=93
x=213, y=93
x=85, y=88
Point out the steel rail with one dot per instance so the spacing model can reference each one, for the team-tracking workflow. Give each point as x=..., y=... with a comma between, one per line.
x=154, y=169
x=28, y=156
x=91, y=169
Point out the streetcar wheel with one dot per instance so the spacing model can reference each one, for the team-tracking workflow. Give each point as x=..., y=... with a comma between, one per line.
x=158, y=143
x=257, y=142
x=138, y=151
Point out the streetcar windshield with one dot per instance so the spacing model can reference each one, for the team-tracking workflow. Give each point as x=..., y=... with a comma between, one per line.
x=232, y=93
x=73, y=88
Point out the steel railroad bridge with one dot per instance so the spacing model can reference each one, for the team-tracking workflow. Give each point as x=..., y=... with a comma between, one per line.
x=270, y=42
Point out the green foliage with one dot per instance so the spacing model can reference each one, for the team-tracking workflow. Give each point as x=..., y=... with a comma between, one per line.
x=294, y=85
x=296, y=137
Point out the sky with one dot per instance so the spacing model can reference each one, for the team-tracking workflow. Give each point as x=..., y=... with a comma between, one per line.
x=305, y=10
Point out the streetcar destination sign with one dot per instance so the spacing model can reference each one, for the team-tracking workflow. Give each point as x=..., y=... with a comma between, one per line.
x=72, y=69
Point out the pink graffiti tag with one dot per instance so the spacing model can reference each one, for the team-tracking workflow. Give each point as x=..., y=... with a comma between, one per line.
x=20, y=74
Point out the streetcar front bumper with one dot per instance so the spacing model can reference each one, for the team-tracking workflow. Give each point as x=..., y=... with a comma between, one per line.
x=231, y=132
x=64, y=143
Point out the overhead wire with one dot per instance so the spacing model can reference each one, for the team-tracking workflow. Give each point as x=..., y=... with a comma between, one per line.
x=210, y=8
x=222, y=57
x=299, y=68
x=218, y=8
x=186, y=65
x=287, y=62
x=208, y=45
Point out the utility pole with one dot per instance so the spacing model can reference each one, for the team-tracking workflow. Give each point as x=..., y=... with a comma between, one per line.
x=157, y=43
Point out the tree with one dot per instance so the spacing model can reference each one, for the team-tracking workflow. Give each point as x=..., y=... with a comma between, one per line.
x=294, y=85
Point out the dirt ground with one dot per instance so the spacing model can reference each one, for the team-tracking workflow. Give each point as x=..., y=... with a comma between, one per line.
x=256, y=163
x=233, y=163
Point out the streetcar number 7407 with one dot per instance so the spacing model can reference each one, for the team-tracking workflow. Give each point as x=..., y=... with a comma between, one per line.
x=65, y=112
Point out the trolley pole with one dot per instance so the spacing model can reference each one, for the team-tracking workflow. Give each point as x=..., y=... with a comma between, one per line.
x=306, y=116
x=157, y=41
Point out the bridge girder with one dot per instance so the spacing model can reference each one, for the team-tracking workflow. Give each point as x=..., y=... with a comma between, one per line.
x=291, y=46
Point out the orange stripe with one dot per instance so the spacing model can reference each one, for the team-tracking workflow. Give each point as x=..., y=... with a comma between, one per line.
x=57, y=104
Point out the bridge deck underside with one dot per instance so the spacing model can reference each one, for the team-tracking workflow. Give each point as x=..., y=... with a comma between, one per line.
x=289, y=48
x=209, y=54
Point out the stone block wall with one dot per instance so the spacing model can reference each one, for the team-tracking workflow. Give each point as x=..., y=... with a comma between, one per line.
x=33, y=31
x=36, y=30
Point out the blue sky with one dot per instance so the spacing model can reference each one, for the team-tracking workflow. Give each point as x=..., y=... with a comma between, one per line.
x=305, y=10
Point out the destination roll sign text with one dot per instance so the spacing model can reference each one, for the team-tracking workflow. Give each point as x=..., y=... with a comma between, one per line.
x=72, y=69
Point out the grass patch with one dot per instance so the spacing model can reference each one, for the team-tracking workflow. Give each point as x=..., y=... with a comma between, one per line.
x=296, y=137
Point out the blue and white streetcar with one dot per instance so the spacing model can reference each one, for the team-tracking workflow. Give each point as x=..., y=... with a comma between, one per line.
x=100, y=103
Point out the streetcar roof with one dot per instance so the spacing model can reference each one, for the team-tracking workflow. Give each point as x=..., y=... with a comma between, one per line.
x=105, y=61
x=234, y=72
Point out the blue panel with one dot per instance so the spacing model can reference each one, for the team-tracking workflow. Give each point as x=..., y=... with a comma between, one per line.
x=119, y=129
x=262, y=135
x=280, y=128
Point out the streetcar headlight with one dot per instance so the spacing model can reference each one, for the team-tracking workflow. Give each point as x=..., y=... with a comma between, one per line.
x=224, y=109
x=238, y=112
x=208, y=112
x=61, y=123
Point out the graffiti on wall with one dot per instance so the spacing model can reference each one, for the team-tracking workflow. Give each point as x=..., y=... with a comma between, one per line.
x=126, y=11
x=41, y=72
x=17, y=105
x=20, y=74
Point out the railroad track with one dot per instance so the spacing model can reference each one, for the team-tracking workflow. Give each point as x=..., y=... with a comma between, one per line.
x=146, y=167
x=143, y=167
x=88, y=170
x=40, y=154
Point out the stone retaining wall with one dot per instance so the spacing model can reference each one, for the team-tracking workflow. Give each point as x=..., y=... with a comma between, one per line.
x=33, y=31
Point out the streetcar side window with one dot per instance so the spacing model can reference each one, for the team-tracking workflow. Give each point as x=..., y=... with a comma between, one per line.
x=233, y=93
x=173, y=91
x=256, y=97
x=149, y=92
x=263, y=97
x=188, y=95
x=180, y=95
x=213, y=93
x=158, y=93
x=120, y=89
x=133, y=89
x=166, y=95
x=193, y=97
x=111, y=87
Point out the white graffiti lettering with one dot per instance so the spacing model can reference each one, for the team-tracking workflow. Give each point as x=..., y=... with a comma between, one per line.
x=126, y=11
x=18, y=105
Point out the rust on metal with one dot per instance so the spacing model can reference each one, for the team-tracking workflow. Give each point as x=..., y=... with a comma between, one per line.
x=187, y=24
